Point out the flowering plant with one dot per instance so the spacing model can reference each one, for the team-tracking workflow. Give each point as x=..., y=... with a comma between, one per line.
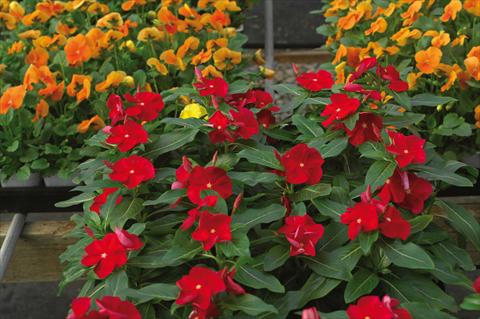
x=60, y=60
x=436, y=48
x=227, y=210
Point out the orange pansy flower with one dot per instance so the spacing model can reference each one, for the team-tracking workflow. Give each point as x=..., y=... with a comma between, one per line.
x=35, y=16
x=225, y=59
x=8, y=20
x=202, y=57
x=211, y=71
x=129, y=4
x=428, y=60
x=439, y=39
x=98, y=8
x=16, y=10
x=150, y=34
x=96, y=122
x=451, y=10
x=37, y=56
x=114, y=79
x=472, y=64
x=30, y=34
x=79, y=79
x=160, y=67
x=340, y=73
x=379, y=25
x=341, y=52
x=349, y=21
x=219, y=19
x=191, y=43
x=392, y=50
x=460, y=40
x=50, y=8
x=412, y=79
x=110, y=21
x=402, y=36
x=78, y=50
x=16, y=47
x=226, y=5
x=41, y=110
x=412, y=13
x=472, y=6
x=353, y=56
x=452, y=77
x=64, y=29
x=96, y=41
x=12, y=98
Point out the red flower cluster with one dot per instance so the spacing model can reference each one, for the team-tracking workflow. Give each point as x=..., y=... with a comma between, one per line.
x=302, y=164
x=406, y=190
x=207, y=178
x=101, y=199
x=315, y=82
x=408, y=149
x=302, y=233
x=144, y=106
x=391, y=74
x=373, y=308
x=212, y=229
x=128, y=135
x=476, y=285
x=242, y=124
x=371, y=214
x=216, y=87
x=108, y=308
x=131, y=171
x=341, y=107
x=110, y=252
x=367, y=128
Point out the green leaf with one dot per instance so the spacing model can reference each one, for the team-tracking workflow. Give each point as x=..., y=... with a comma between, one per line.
x=13, y=147
x=252, y=217
x=333, y=148
x=422, y=311
x=238, y=246
x=311, y=192
x=253, y=178
x=254, y=278
x=429, y=99
x=334, y=315
x=187, y=123
x=239, y=86
x=39, y=164
x=408, y=255
x=373, y=150
x=127, y=209
x=276, y=257
x=170, y=141
x=442, y=174
x=168, y=197
x=406, y=119
x=328, y=265
x=453, y=255
x=419, y=223
x=225, y=161
x=287, y=89
x=362, y=283
x=379, y=172
x=76, y=200
x=329, y=208
x=367, y=240
x=158, y=292
x=249, y=304
x=116, y=284
x=462, y=220
x=316, y=287
x=264, y=158
x=307, y=127
x=471, y=302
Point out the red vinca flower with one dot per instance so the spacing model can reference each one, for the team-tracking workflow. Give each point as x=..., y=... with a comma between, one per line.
x=391, y=74
x=127, y=136
x=199, y=286
x=365, y=65
x=310, y=313
x=259, y=98
x=367, y=128
x=220, y=123
x=80, y=310
x=212, y=229
x=394, y=305
x=146, y=105
x=116, y=308
x=183, y=174
x=245, y=121
x=211, y=312
x=194, y=214
x=232, y=286
x=341, y=107
x=361, y=217
x=265, y=118
x=369, y=307
x=115, y=105
x=407, y=190
x=408, y=149
x=393, y=225
x=302, y=233
x=133, y=170
x=208, y=178
x=105, y=254
x=101, y=199
x=315, y=81
x=216, y=87
x=368, y=94
x=302, y=164
x=129, y=241
x=476, y=285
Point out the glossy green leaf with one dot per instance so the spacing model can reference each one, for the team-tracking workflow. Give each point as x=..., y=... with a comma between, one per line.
x=362, y=283
x=311, y=192
x=249, y=304
x=276, y=257
x=408, y=255
x=254, y=278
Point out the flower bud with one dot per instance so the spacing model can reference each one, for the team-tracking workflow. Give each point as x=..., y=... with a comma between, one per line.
x=129, y=81
x=439, y=107
x=267, y=73
x=258, y=57
x=131, y=46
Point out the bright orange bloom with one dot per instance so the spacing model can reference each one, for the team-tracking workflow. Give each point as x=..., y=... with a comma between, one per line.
x=220, y=42
x=110, y=38
x=412, y=79
x=170, y=21
x=439, y=39
x=53, y=90
x=129, y=4
x=219, y=19
x=353, y=56
x=41, y=110
x=85, y=81
x=150, y=34
x=46, y=41
x=16, y=47
x=50, y=8
x=390, y=9
x=78, y=50
x=451, y=10
x=114, y=79
x=160, y=67
x=379, y=25
x=35, y=16
x=191, y=43
x=202, y=57
x=12, y=98
x=225, y=59
x=96, y=122
x=392, y=50
x=472, y=65
x=412, y=13
x=16, y=10
x=340, y=72
x=402, y=36
x=349, y=21
x=96, y=41
x=452, y=77
x=188, y=12
x=30, y=34
x=37, y=56
x=98, y=8
x=226, y=5
x=428, y=60
x=110, y=21
x=211, y=71
x=64, y=29
x=460, y=40
x=8, y=20
x=474, y=52
x=472, y=6
x=341, y=52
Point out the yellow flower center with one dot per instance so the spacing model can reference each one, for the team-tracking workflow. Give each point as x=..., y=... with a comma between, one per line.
x=198, y=287
x=212, y=231
x=103, y=255
x=209, y=185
